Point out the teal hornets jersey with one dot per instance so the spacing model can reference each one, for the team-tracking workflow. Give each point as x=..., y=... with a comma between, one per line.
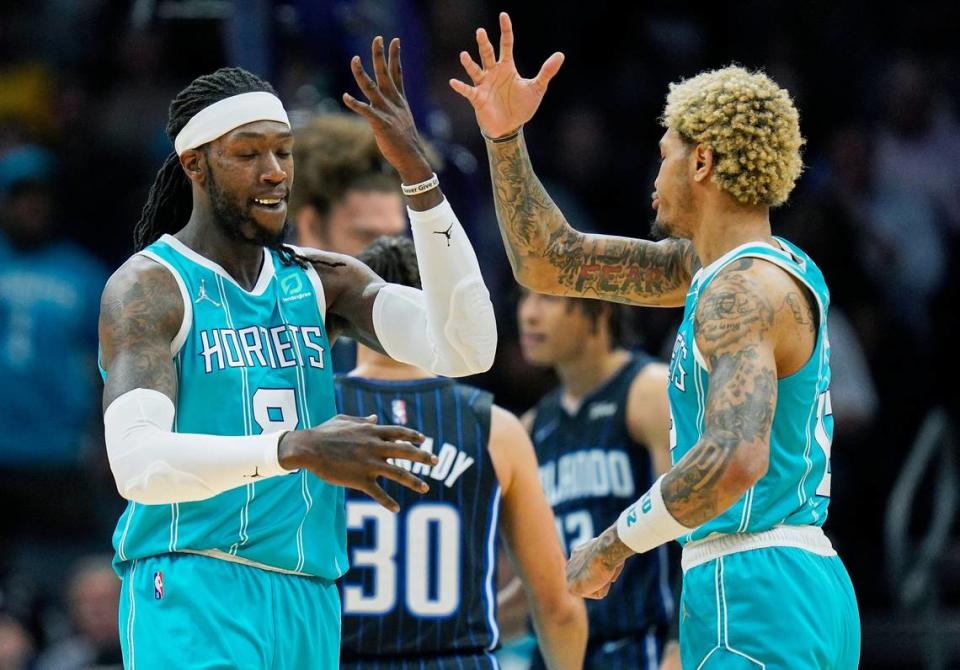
x=247, y=362
x=796, y=489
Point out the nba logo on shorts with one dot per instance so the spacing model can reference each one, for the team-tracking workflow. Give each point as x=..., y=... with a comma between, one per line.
x=399, y=410
x=157, y=585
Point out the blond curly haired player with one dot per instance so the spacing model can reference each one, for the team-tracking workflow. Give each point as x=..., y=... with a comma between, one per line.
x=749, y=385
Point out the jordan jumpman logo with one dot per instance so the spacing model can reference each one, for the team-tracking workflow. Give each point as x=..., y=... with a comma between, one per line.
x=203, y=295
x=446, y=233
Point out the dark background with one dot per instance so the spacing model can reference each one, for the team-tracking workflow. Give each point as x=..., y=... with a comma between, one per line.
x=84, y=90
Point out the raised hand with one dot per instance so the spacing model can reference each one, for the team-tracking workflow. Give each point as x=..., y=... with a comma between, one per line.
x=502, y=99
x=388, y=113
x=352, y=451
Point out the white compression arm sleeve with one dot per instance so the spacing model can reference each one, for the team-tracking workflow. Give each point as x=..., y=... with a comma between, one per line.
x=448, y=327
x=153, y=465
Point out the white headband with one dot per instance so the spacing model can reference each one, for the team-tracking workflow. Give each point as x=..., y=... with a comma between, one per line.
x=224, y=115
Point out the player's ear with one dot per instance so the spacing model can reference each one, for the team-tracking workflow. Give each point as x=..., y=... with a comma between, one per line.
x=703, y=162
x=192, y=162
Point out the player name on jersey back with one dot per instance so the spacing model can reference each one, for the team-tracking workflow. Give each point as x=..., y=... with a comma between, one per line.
x=451, y=466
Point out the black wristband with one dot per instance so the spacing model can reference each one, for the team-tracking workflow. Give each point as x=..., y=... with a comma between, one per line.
x=505, y=138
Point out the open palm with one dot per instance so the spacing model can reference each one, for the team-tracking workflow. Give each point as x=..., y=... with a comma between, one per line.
x=502, y=99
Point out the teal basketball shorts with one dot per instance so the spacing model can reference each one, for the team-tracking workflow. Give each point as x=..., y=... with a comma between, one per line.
x=191, y=611
x=773, y=607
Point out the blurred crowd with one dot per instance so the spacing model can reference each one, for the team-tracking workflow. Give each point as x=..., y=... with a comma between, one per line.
x=84, y=90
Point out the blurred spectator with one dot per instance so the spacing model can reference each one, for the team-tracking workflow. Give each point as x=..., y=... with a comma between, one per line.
x=93, y=599
x=916, y=204
x=852, y=391
x=49, y=297
x=16, y=646
x=917, y=144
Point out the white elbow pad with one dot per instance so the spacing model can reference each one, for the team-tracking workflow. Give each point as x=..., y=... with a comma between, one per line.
x=153, y=465
x=469, y=339
x=471, y=328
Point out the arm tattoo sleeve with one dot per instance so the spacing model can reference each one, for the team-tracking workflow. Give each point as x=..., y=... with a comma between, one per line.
x=548, y=255
x=733, y=327
x=140, y=312
x=611, y=550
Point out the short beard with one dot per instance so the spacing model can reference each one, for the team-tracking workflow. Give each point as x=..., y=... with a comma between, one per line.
x=230, y=218
x=659, y=231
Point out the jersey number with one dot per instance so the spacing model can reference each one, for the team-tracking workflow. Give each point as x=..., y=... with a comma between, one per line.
x=431, y=535
x=578, y=526
x=275, y=410
x=824, y=439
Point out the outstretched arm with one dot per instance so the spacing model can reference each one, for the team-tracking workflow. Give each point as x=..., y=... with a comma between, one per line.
x=449, y=326
x=735, y=331
x=546, y=253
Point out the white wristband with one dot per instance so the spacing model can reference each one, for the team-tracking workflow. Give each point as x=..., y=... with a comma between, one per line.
x=647, y=523
x=422, y=187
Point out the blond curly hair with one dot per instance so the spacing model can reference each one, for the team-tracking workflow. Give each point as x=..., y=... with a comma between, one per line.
x=749, y=122
x=335, y=154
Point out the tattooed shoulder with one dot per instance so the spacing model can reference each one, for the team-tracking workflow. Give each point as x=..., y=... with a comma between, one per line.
x=734, y=318
x=141, y=311
x=797, y=306
x=140, y=299
x=734, y=307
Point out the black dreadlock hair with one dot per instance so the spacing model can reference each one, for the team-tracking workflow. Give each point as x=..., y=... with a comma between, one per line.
x=170, y=200
x=394, y=258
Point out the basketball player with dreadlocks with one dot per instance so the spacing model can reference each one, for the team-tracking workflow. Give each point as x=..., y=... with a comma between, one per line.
x=219, y=410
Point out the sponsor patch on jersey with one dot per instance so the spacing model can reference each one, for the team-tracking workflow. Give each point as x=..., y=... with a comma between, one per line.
x=292, y=288
x=158, y=585
x=601, y=410
x=398, y=410
x=291, y=284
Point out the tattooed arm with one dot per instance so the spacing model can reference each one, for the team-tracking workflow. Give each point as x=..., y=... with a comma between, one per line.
x=735, y=330
x=546, y=253
x=747, y=327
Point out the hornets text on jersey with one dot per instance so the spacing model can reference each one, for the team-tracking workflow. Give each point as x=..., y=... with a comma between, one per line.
x=421, y=589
